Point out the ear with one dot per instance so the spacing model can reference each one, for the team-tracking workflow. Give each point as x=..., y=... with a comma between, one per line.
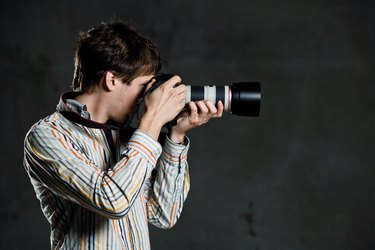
x=109, y=82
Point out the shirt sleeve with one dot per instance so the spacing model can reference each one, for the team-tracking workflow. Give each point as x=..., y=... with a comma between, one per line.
x=167, y=191
x=64, y=167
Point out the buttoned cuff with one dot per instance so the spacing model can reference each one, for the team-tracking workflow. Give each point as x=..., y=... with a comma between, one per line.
x=146, y=146
x=174, y=153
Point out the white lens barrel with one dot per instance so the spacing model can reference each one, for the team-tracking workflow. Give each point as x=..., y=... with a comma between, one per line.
x=227, y=98
x=188, y=94
x=211, y=93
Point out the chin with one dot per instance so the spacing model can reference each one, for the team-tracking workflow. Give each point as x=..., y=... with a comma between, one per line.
x=119, y=118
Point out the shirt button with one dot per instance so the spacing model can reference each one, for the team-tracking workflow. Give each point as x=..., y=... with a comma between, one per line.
x=173, y=171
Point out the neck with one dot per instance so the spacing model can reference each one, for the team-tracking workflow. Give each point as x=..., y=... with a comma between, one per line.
x=95, y=103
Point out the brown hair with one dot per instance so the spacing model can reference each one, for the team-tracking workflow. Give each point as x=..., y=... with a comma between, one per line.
x=114, y=47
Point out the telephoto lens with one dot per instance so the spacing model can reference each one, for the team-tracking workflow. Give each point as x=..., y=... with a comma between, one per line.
x=241, y=98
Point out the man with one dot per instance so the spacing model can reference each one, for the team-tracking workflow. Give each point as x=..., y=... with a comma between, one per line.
x=96, y=188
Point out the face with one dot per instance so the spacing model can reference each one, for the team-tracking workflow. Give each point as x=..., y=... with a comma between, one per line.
x=124, y=97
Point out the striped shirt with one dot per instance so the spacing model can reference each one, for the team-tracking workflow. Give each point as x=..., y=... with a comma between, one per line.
x=98, y=198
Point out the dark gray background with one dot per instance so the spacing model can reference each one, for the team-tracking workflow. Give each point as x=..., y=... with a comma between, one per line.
x=298, y=177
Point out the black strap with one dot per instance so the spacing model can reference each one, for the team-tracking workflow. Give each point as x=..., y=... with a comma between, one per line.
x=74, y=117
x=108, y=135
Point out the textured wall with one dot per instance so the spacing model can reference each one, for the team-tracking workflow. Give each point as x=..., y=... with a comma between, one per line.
x=298, y=177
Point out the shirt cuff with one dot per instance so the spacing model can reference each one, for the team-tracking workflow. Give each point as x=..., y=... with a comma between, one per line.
x=174, y=153
x=146, y=146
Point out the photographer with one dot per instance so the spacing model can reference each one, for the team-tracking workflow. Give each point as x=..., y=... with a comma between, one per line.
x=97, y=189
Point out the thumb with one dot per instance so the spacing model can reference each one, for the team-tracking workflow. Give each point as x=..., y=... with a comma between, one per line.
x=148, y=88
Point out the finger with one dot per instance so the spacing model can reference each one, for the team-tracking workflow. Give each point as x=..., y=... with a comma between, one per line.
x=220, y=109
x=150, y=83
x=180, y=94
x=181, y=100
x=193, y=108
x=172, y=82
x=202, y=107
x=211, y=108
x=193, y=111
x=180, y=89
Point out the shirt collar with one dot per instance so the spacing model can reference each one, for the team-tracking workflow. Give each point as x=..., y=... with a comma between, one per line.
x=77, y=112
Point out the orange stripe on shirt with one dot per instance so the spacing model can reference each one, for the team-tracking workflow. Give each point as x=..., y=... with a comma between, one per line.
x=171, y=216
x=141, y=144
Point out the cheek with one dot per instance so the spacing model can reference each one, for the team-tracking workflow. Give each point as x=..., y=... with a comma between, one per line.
x=134, y=94
x=130, y=98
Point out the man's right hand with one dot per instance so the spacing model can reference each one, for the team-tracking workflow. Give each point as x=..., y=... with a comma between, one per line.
x=162, y=106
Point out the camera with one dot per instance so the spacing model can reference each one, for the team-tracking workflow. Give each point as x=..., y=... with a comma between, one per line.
x=240, y=98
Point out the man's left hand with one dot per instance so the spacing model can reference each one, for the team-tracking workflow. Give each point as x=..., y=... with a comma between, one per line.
x=196, y=114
